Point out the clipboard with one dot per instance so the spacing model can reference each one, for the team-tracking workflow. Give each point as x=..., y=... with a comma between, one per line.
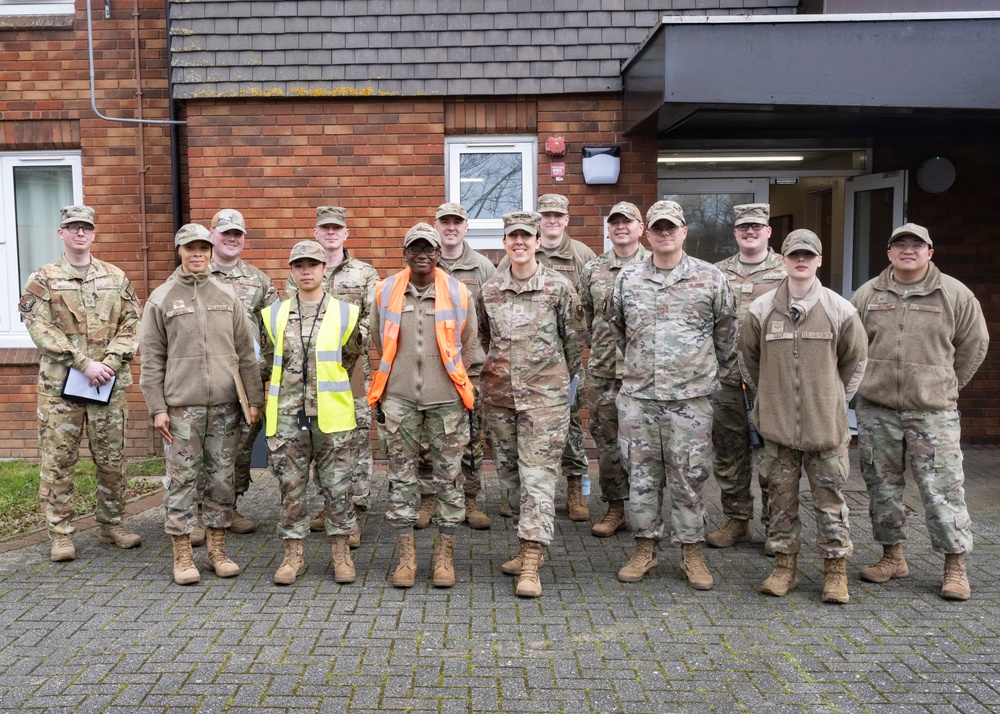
x=241, y=393
x=77, y=388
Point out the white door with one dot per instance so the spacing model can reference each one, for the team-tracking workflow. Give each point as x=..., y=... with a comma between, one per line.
x=874, y=205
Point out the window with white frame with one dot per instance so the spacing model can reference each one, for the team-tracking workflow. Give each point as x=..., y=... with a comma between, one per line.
x=490, y=176
x=33, y=187
x=35, y=7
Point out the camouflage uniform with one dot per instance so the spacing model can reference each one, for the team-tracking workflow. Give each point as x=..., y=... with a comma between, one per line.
x=291, y=449
x=472, y=269
x=256, y=291
x=733, y=464
x=926, y=342
x=74, y=320
x=354, y=281
x=597, y=280
x=674, y=332
x=534, y=337
x=567, y=259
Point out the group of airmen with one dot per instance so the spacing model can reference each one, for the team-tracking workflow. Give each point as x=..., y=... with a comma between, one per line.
x=742, y=367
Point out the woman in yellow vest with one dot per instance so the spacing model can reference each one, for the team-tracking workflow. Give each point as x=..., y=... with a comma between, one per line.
x=427, y=337
x=309, y=414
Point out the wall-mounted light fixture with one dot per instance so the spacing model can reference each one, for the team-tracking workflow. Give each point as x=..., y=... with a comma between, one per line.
x=715, y=159
x=601, y=164
x=936, y=174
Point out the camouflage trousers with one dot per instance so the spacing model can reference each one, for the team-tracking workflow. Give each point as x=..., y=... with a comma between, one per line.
x=604, y=429
x=290, y=452
x=735, y=459
x=205, y=443
x=527, y=446
x=574, y=456
x=827, y=472
x=363, y=463
x=446, y=428
x=472, y=461
x=928, y=441
x=241, y=478
x=666, y=445
x=60, y=430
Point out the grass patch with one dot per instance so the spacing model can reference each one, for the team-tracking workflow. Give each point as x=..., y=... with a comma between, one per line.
x=21, y=511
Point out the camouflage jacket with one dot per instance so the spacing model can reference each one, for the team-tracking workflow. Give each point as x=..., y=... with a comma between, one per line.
x=74, y=321
x=534, y=338
x=674, y=330
x=352, y=281
x=471, y=267
x=596, y=283
x=294, y=393
x=749, y=282
x=567, y=259
x=256, y=291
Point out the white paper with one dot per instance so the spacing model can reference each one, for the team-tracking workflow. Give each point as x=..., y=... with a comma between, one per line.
x=77, y=385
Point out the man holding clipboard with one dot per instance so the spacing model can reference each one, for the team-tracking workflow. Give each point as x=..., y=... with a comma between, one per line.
x=83, y=316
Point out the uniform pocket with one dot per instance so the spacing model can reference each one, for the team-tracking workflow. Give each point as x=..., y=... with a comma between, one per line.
x=456, y=421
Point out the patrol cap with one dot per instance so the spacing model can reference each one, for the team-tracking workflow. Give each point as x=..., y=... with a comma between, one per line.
x=752, y=213
x=326, y=215
x=191, y=232
x=670, y=210
x=228, y=219
x=452, y=209
x=553, y=203
x=521, y=221
x=422, y=231
x=802, y=239
x=307, y=249
x=75, y=214
x=629, y=210
x=907, y=229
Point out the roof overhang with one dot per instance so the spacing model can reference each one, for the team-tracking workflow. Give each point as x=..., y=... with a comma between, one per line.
x=837, y=75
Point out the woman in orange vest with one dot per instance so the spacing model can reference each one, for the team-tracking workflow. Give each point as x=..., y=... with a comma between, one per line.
x=427, y=336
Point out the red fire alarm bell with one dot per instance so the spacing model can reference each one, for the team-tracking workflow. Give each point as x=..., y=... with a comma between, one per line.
x=555, y=146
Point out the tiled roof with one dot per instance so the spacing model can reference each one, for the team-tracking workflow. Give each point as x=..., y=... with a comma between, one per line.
x=413, y=47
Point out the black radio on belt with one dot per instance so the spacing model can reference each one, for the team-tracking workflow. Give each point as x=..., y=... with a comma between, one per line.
x=303, y=420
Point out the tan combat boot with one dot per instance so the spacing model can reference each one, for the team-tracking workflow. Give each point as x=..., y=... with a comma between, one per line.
x=474, y=517
x=293, y=564
x=428, y=507
x=641, y=563
x=956, y=580
x=62, y=547
x=890, y=567
x=198, y=532
x=444, y=570
x=575, y=502
x=613, y=521
x=784, y=577
x=513, y=566
x=318, y=522
x=693, y=565
x=343, y=565
x=835, y=581
x=217, y=560
x=406, y=572
x=354, y=539
x=505, y=510
x=119, y=536
x=528, y=582
x=184, y=571
x=730, y=534
x=241, y=525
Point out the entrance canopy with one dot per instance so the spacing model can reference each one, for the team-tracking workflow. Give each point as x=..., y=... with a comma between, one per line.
x=810, y=75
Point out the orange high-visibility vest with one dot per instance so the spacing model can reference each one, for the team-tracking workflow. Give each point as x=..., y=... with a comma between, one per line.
x=451, y=307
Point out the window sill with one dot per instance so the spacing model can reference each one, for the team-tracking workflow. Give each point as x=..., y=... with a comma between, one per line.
x=17, y=23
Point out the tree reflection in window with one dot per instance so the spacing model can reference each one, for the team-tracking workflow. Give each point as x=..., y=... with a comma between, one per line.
x=490, y=183
x=709, y=219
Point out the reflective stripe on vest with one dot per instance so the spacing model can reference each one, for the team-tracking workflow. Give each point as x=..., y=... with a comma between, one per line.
x=451, y=309
x=334, y=400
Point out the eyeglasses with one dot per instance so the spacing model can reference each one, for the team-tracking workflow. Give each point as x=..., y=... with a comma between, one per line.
x=78, y=228
x=663, y=230
x=426, y=249
x=755, y=227
x=915, y=246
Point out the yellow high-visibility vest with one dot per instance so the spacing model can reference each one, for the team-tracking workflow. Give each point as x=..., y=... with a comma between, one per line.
x=334, y=400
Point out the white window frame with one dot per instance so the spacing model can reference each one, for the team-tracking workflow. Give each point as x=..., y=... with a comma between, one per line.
x=12, y=331
x=485, y=234
x=36, y=7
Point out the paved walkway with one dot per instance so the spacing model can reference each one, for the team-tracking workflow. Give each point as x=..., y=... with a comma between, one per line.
x=110, y=632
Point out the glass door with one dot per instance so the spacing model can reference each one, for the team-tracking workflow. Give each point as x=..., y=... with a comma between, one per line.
x=873, y=206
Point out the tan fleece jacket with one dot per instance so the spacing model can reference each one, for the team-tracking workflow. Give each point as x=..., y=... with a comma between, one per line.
x=195, y=336
x=922, y=348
